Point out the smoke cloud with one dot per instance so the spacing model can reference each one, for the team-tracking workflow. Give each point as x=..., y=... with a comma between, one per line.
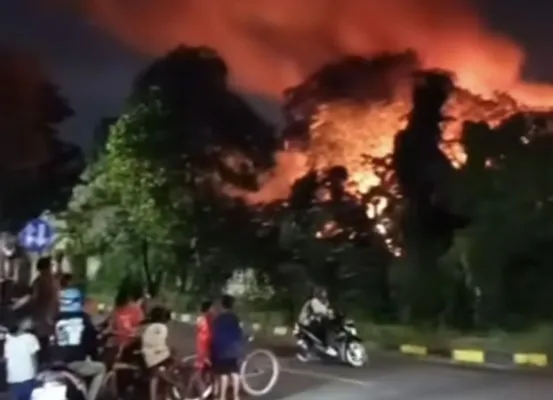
x=270, y=45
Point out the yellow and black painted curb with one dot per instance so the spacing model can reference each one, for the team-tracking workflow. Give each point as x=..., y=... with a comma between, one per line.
x=458, y=356
x=479, y=357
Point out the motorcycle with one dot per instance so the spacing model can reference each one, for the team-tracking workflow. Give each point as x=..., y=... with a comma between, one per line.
x=345, y=347
x=56, y=381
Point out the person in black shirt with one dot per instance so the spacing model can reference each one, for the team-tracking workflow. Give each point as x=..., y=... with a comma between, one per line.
x=75, y=343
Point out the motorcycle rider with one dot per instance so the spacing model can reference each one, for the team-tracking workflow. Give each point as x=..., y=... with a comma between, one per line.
x=316, y=315
x=74, y=341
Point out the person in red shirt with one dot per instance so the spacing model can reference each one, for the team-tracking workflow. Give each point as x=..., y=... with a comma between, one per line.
x=203, y=349
x=203, y=335
x=127, y=318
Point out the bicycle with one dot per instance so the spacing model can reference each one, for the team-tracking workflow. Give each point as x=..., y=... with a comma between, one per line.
x=208, y=386
x=112, y=387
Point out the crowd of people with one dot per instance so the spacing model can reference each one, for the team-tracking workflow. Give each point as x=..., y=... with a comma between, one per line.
x=58, y=328
x=50, y=323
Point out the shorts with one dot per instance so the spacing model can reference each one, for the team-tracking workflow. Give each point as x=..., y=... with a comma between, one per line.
x=22, y=390
x=225, y=366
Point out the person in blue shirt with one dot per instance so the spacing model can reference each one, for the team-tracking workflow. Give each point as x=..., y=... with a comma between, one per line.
x=70, y=297
x=227, y=347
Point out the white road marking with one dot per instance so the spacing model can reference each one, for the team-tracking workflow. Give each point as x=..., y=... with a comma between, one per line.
x=191, y=357
x=326, y=377
x=301, y=372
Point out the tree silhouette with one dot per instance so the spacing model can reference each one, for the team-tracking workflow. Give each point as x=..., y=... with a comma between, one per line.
x=37, y=169
x=424, y=174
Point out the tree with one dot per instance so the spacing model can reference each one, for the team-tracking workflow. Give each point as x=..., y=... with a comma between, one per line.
x=334, y=237
x=424, y=173
x=37, y=169
x=184, y=142
x=505, y=187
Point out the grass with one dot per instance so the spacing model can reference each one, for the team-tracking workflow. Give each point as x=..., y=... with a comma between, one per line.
x=534, y=340
x=176, y=301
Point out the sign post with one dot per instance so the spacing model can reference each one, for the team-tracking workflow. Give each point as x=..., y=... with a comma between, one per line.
x=36, y=238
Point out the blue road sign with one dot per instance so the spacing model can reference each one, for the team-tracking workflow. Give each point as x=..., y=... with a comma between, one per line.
x=37, y=236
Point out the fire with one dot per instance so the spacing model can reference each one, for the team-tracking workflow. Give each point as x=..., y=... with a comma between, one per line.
x=347, y=133
x=271, y=45
x=351, y=133
x=274, y=44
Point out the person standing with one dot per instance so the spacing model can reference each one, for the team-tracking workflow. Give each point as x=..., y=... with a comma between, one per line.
x=20, y=351
x=227, y=348
x=203, y=335
x=44, y=302
x=203, y=346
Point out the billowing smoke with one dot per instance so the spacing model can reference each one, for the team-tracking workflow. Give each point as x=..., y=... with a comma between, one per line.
x=273, y=44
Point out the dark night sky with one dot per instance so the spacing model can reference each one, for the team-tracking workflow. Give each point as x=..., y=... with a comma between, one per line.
x=95, y=72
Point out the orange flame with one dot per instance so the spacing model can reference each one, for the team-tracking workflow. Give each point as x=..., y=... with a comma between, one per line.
x=274, y=44
x=271, y=45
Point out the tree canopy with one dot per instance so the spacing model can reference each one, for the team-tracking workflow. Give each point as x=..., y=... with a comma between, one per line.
x=37, y=168
x=456, y=244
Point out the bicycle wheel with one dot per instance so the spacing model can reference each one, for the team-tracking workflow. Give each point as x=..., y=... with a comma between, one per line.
x=199, y=387
x=109, y=387
x=199, y=383
x=259, y=372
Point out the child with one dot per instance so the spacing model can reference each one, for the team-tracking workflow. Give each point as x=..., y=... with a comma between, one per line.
x=155, y=349
x=20, y=351
x=127, y=317
x=203, y=348
x=203, y=336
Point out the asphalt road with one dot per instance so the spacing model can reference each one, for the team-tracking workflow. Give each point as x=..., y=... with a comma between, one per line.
x=393, y=377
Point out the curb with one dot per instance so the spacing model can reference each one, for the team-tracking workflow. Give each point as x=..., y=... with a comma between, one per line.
x=478, y=356
x=464, y=356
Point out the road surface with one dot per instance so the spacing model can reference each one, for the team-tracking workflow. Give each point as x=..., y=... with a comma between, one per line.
x=393, y=377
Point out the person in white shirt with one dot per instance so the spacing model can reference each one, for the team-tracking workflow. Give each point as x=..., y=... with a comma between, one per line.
x=316, y=314
x=20, y=351
x=316, y=307
x=155, y=347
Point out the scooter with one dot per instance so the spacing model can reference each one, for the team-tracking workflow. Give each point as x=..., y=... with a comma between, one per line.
x=346, y=347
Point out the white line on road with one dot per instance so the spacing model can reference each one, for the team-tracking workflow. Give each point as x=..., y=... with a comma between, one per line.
x=326, y=377
x=301, y=372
